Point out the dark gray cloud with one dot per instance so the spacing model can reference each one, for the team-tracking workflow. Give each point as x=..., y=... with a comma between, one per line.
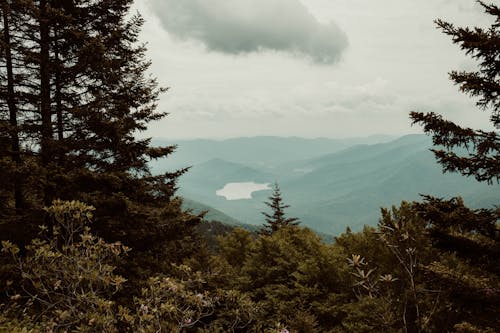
x=242, y=26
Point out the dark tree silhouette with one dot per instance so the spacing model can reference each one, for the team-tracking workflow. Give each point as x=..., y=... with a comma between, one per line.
x=74, y=94
x=470, y=282
x=277, y=219
x=483, y=158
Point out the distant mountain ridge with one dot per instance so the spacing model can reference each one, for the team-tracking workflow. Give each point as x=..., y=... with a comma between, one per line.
x=223, y=223
x=262, y=151
x=211, y=214
x=343, y=187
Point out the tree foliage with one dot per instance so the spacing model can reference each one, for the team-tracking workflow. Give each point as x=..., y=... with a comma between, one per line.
x=277, y=219
x=74, y=95
x=67, y=277
x=482, y=160
x=466, y=273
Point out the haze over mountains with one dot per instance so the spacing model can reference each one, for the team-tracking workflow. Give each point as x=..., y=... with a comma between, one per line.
x=329, y=183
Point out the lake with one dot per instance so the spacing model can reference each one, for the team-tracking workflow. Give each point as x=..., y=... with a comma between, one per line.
x=237, y=191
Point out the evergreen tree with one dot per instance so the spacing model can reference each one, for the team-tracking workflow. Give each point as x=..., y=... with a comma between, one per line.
x=277, y=219
x=82, y=95
x=483, y=159
x=11, y=77
x=446, y=254
x=467, y=273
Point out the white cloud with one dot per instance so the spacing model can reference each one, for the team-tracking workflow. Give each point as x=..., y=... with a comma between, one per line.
x=396, y=62
x=242, y=26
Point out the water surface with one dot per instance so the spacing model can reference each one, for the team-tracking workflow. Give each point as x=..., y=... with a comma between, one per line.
x=237, y=191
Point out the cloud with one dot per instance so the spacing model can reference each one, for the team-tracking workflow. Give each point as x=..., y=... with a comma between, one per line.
x=243, y=26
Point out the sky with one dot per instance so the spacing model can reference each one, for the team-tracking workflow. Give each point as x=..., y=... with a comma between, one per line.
x=306, y=68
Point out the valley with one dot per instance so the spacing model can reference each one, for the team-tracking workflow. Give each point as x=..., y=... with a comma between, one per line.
x=328, y=183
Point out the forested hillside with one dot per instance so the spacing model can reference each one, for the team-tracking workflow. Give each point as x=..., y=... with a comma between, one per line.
x=333, y=190
x=93, y=240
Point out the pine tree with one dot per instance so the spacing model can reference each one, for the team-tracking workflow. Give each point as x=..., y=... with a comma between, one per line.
x=277, y=219
x=466, y=273
x=483, y=159
x=83, y=95
x=11, y=77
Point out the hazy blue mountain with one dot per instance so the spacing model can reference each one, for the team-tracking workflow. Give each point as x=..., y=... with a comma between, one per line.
x=212, y=214
x=227, y=223
x=357, y=165
x=204, y=179
x=262, y=152
x=349, y=187
x=218, y=171
x=398, y=148
x=335, y=189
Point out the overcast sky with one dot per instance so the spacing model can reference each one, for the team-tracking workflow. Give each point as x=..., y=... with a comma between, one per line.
x=310, y=68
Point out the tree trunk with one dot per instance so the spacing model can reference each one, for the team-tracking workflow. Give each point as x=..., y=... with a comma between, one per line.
x=45, y=100
x=11, y=103
x=58, y=96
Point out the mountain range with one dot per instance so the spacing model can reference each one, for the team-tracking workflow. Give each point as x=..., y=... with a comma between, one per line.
x=328, y=183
